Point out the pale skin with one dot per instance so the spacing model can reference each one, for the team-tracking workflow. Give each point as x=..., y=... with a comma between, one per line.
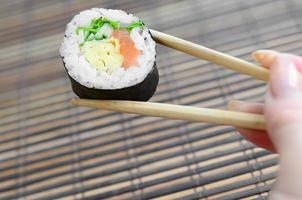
x=283, y=113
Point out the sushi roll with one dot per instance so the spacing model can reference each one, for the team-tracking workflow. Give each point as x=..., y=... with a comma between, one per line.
x=109, y=54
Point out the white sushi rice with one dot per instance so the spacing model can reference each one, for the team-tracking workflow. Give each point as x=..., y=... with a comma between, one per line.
x=79, y=68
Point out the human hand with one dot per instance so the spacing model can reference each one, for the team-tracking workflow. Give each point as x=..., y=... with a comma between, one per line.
x=283, y=113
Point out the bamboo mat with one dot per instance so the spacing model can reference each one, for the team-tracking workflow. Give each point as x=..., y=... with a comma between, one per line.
x=50, y=149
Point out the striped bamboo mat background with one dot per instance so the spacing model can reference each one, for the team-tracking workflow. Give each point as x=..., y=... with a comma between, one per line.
x=50, y=149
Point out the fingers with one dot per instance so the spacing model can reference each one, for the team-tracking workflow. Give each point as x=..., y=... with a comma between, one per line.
x=265, y=57
x=284, y=96
x=260, y=138
x=241, y=106
x=284, y=78
x=283, y=104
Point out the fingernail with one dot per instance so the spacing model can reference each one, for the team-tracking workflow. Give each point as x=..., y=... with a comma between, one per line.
x=234, y=105
x=265, y=57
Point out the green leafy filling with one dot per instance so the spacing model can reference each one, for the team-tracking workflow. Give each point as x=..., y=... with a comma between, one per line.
x=139, y=24
x=97, y=24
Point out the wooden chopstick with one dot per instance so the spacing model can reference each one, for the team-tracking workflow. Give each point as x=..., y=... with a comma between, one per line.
x=211, y=55
x=194, y=114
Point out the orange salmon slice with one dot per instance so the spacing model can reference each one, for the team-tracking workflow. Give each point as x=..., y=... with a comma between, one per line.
x=127, y=48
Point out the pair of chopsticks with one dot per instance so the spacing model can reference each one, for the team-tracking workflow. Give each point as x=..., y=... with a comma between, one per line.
x=194, y=114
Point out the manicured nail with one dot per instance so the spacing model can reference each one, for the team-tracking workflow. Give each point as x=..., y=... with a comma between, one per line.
x=265, y=57
x=234, y=105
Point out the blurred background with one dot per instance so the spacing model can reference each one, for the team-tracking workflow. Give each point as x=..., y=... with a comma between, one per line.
x=50, y=149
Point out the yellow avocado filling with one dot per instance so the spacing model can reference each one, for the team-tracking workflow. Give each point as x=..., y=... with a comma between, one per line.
x=104, y=55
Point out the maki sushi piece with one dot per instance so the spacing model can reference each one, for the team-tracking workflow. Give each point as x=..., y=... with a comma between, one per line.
x=109, y=54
